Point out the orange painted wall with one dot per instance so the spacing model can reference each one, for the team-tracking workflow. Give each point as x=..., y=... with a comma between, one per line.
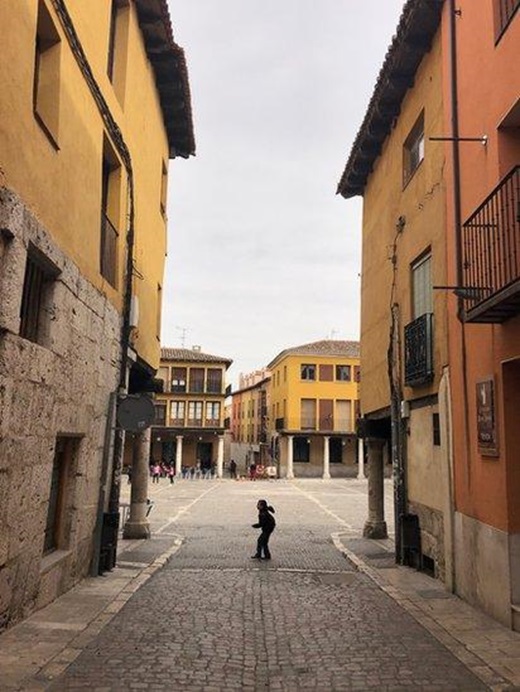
x=489, y=86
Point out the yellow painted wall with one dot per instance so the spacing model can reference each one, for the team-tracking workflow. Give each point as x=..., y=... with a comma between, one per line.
x=167, y=396
x=422, y=204
x=286, y=385
x=63, y=187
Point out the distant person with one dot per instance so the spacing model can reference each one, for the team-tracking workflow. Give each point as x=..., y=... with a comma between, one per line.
x=252, y=471
x=156, y=472
x=171, y=473
x=267, y=523
x=232, y=469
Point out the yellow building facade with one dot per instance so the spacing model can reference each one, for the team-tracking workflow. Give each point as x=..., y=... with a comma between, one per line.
x=189, y=428
x=94, y=102
x=399, y=170
x=313, y=409
x=250, y=408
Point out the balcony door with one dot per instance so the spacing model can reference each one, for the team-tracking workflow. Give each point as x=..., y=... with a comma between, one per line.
x=422, y=298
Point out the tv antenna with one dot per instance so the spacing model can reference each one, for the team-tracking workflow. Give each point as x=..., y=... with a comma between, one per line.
x=183, y=331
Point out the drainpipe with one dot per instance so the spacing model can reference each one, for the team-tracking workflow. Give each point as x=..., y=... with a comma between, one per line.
x=116, y=136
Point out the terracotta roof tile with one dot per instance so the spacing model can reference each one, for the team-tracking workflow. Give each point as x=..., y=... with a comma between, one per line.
x=327, y=347
x=188, y=355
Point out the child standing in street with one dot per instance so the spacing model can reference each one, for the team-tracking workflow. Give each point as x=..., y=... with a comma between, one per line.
x=267, y=523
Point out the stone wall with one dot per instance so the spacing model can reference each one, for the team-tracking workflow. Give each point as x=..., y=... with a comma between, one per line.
x=59, y=386
x=431, y=522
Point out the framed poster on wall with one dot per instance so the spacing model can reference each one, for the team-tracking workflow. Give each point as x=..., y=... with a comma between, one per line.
x=486, y=418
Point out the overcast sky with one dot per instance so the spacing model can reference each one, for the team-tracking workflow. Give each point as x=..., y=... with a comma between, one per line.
x=262, y=254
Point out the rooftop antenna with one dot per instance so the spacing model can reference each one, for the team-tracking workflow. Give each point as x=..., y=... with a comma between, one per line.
x=183, y=331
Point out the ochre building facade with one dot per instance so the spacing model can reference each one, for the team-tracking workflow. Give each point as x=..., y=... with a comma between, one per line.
x=86, y=134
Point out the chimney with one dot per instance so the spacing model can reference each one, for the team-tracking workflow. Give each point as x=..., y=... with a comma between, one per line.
x=196, y=348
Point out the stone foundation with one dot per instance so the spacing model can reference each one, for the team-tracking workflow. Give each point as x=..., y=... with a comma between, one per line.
x=58, y=386
x=431, y=522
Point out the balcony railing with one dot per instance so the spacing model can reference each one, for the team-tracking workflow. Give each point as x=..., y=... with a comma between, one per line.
x=491, y=255
x=418, y=351
x=505, y=10
x=324, y=425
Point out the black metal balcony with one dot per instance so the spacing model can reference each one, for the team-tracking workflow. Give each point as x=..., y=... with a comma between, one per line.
x=505, y=11
x=491, y=255
x=418, y=351
x=279, y=424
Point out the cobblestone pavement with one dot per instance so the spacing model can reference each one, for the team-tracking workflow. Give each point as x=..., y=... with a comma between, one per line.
x=213, y=619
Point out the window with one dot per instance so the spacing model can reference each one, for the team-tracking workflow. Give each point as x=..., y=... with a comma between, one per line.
x=308, y=372
x=285, y=373
x=59, y=508
x=422, y=287
x=308, y=414
x=110, y=208
x=38, y=284
x=178, y=380
x=196, y=379
x=177, y=412
x=344, y=415
x=413, y=150
x=160, y=414
x=343, y=373
x=47, y=65
x=195, y=413
x=326, y=373
x=213, y=412
x=214, y=383
x=164, y=188
x=301, y=449
x=436, y=429
x=326, y=408
x=162, y=374
x=117, y=46
x=158, y=313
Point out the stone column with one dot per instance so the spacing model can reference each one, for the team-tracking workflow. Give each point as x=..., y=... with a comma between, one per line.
x=361, y=459
x=220, y=457
x=178, y=456
x=375, y=526
x=290, y=469
x=138, y=525
x=326, y=458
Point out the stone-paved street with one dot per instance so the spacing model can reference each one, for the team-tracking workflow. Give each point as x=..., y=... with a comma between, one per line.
x=213, y=619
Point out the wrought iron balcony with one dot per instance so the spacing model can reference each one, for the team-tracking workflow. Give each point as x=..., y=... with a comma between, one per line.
x=418, y=351
x=491, y=255
x=505, y=11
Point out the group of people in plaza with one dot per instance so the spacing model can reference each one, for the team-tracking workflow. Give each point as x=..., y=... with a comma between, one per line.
x=266, y=522
x=162, y=469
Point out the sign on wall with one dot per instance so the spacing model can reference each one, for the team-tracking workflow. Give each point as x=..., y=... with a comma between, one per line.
x=486, y=418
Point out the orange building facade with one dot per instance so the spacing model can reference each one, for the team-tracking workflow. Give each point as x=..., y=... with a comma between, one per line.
x=482, y=43
x=447, y=108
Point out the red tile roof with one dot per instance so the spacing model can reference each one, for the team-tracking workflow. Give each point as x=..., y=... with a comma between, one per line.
x=327, y=347
x=188, y=355
x=171, y=75
x=417, y=26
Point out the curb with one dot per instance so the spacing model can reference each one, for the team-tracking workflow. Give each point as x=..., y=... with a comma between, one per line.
x=481, y=668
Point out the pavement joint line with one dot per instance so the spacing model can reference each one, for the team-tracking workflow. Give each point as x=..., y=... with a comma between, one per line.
x=171, y=520
x=484, y=670
x=311, y=497
x=59, y=663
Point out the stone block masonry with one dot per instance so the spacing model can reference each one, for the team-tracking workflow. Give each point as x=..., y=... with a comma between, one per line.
x=56, y=388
